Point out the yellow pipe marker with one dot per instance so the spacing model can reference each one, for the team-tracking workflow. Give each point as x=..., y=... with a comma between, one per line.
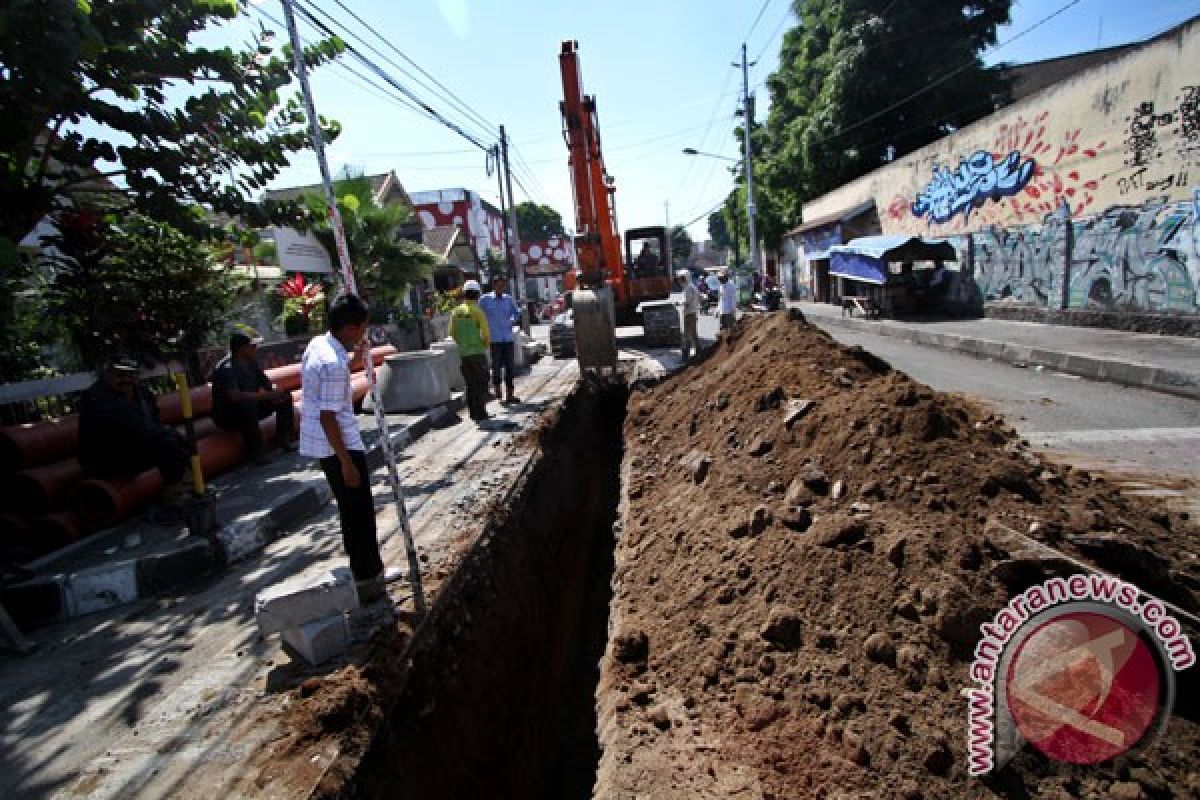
x=185, y=398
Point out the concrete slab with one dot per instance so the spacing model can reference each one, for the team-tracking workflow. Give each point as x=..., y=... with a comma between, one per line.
x=302, y=600
x=319, y=641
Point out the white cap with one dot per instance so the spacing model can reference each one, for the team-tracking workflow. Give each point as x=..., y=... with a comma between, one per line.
x=681, y=273
x=471, y=286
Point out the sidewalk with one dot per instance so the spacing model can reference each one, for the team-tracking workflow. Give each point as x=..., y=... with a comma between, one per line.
x=1168, y=364
x=136, y=558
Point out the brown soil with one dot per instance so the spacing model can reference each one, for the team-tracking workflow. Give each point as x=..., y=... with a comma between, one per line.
x=809, y=544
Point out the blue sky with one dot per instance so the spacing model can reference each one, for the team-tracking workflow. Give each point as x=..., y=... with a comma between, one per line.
x=661, y=71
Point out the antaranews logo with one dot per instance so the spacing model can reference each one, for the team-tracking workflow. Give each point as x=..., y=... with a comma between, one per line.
x=1082, y=668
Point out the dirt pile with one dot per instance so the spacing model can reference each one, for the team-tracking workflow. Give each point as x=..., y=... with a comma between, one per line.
x=810, y=541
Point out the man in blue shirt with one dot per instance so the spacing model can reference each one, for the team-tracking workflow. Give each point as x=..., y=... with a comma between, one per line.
x=502, y=313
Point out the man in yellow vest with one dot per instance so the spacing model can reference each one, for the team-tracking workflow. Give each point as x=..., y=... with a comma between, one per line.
x=469, y=327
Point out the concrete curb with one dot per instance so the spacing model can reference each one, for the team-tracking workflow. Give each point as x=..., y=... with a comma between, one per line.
x=1143, y=376
x=55, y=598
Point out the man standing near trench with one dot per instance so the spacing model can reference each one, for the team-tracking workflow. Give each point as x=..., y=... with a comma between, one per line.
x=469, y=327
x=727, y=301
x=691, y=315
x=329, y=432
x=502, y=313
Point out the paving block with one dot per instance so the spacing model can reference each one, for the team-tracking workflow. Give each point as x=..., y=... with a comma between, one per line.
x=100, y=588
x=318, y=641
x=299, y=601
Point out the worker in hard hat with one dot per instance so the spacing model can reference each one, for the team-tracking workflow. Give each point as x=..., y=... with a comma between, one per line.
x=469, y=327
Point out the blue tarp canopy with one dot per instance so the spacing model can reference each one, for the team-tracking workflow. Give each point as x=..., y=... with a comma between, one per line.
x=857, y=266
x=898, y=248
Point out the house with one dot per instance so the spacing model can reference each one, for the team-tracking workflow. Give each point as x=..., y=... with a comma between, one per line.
x=481, y=222
x=451, y=244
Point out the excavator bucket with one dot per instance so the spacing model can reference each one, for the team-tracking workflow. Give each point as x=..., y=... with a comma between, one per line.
x=595, y=328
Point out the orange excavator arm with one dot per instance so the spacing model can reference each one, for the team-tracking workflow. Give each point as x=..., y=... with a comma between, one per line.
x=597, y=243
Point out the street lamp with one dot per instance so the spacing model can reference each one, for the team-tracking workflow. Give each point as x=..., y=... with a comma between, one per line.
x=691, y=151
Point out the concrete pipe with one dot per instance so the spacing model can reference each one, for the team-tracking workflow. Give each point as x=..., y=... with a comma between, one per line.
x=451, y=364
x=170, y=406
x=103, y=501
x=39, y=489
x=49, y=532
x=36, y=443
x=288, y=377
x=409, y=381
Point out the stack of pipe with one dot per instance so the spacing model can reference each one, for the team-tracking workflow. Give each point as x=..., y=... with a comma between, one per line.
x=50, y=503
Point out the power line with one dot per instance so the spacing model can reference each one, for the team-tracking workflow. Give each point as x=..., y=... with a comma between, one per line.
x=787, y=13
x=463, y=105
x=757, y=19
x=375, y=68
x=931, y=86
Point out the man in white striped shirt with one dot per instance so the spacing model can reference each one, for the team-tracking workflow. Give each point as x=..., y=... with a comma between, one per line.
x=329, y=432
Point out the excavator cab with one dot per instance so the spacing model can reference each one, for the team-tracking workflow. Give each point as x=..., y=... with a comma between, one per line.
x=647, y=264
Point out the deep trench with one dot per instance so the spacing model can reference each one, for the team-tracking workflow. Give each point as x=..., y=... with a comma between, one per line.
x=500, y=699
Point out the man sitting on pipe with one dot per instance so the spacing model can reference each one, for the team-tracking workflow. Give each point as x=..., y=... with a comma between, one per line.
x=120, y=435
x=243, y=394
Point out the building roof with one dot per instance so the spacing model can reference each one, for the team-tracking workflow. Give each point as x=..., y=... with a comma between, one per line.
x=385, y=188
x=837, y=216
x=1032, y=77
x=441, y=239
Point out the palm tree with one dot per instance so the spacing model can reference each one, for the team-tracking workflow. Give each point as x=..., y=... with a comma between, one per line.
x=384, y=264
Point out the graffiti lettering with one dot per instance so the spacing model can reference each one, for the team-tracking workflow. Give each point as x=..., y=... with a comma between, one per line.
x=978, y=178
x=1128, y=258
x=1189, y=120
x=1141, y=145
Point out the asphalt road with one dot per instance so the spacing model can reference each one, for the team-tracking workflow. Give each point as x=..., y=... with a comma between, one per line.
x=1145, y=437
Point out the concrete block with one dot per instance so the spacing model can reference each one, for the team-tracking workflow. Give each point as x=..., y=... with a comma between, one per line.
x=318, y=641
x=100, y=588
x=244, y=536
x=299, y=601
x=410, y=381
x=451, y=365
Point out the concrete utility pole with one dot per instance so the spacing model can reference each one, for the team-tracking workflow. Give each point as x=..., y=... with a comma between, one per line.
x=514, y=237
x=339, y=236
x=751, y=209
x=508, y=254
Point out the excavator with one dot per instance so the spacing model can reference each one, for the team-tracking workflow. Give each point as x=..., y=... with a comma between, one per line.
x=605, y=289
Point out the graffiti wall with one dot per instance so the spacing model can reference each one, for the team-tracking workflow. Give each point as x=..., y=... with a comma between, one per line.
x=1112, y=152
x=1138, y=258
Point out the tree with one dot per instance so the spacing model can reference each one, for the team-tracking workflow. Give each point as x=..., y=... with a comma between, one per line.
x=93, y=89
x=840, y=100
x=536, y=223
x=383, y=262
x=681, y=246
x=718, y=230
x=133, y=283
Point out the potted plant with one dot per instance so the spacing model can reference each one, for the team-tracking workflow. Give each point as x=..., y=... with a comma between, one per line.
x=303, y=305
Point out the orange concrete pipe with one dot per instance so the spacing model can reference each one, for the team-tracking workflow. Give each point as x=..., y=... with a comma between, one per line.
x=285, y=377
x=104, y=501
x=170, y=406
x=36, y=443
x=39, y=489
x=51, y=531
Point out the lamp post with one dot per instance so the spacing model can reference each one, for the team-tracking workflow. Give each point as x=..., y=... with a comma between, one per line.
x=691, y=151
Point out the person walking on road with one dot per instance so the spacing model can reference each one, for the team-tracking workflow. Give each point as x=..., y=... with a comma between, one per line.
x=502, y=313
x=727, y=301
x=691, y=314
x=242, y=395
x=469, y=327
x=329, y=432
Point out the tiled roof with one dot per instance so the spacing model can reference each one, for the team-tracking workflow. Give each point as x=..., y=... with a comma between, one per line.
x=440, y=239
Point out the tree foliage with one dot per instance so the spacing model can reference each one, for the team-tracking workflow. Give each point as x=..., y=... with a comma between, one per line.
x=115, y=89
x=133, y=283
x=537, y=223
x=718, y=230
x=384, y=264
x=839, y=100
x=681, y=246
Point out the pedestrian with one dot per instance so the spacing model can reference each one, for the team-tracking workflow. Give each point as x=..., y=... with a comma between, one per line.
x=121, y=436
x=502, y=313
x=726, y=301
x=469, y=327
x=329, y=432
x=243, y=394
x=691, y=314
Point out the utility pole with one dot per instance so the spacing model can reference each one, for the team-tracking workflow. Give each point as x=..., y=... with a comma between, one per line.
x=508, y=254
x=751, y=209
x=514, y=237
x=339, y=237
